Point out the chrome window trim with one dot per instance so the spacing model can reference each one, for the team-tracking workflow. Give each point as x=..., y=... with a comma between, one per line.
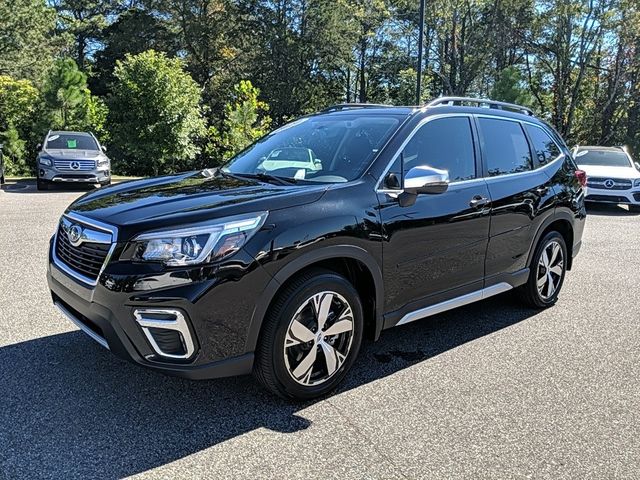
x=455, y=302
x=534, y=170
x=392, y=192
x=422, y=122
x=91, y=223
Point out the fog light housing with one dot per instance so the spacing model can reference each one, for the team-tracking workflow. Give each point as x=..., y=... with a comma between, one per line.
x=167, y=332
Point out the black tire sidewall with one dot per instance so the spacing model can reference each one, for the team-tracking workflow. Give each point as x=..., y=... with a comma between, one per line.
x=533, y=278
x=324, y=282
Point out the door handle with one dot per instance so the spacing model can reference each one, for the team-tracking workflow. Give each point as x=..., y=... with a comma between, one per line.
x=542, y=191
x=478, y=201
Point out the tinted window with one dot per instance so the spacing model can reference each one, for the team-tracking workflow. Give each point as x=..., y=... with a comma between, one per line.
x=324, y=148
x=447, y=144
x=505, y=147
x=70, y=141
x=602, y=157
x=545, y=148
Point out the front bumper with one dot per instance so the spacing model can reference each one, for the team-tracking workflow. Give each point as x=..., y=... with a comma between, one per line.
x=599, y=195
x=51, y=174
x=217, y=315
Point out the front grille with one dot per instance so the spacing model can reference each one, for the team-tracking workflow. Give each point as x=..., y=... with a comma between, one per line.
x=74, y=165
x=86, y=259
x=600, y=183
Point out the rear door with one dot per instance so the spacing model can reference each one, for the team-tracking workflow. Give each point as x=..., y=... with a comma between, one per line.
x=434, y=249
x=521, y=194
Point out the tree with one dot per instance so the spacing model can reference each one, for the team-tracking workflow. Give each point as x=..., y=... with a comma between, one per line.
x=134, y=31
x=245, y=122
x=84, y=21
x=18, y=100
x=14, y=151
x=66, y=96
x=28, y=42
x=510, y=87
x=154, y=114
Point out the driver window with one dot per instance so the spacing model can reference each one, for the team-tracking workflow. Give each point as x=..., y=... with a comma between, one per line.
x=445, y=143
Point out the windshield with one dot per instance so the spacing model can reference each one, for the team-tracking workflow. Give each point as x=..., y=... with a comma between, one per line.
x=326, y=149
x=603, y=158
x=70, y=141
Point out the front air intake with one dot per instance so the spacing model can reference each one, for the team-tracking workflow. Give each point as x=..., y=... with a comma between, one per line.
x=167, y=332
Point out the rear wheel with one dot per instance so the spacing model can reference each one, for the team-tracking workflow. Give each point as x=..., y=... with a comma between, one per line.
x=548, y=268
x=311, y=336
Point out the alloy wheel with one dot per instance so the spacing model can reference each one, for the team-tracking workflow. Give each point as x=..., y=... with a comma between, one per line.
x=550, y=270
x=318, y=338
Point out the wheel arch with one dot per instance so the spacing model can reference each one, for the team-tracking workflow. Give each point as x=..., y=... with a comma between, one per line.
x=353, y=262
x=562, y=223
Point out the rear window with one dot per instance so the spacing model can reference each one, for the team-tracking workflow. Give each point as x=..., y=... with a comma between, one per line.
x=603, y=158
x=68, y=141
x=545, y=148
x=505, y=147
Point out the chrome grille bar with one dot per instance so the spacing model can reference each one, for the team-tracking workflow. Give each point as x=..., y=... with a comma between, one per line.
x=74, y=165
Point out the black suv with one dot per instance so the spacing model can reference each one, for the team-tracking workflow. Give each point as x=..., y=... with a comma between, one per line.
x=335, y=226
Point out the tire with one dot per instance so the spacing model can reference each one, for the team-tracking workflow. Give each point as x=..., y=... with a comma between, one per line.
x=105, y=184
x=282, y=355
x=42, y=185
x=553, y=269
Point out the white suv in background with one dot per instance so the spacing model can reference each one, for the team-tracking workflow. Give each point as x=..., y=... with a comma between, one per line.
x=612, y=175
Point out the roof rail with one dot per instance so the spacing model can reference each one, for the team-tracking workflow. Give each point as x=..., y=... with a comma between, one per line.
x=346, y=106
x=480, y=102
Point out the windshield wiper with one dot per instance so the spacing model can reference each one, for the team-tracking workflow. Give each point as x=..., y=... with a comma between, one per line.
x=265, y=177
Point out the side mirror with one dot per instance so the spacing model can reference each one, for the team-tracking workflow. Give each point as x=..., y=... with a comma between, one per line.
x=423, y=180
x=39, y=146
x=104, y=148
x=637, y=165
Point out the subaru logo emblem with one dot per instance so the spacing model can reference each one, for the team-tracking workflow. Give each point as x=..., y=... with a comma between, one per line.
x=75, y=165
x=75, y=235
x=609, y=183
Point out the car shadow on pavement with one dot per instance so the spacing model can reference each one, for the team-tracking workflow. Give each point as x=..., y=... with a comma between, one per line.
x=29, y=186
x=71, y=409
x=610, y=210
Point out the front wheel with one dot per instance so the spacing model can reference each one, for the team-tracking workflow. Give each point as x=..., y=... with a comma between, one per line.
x=42, y=185
x=311, y=336
x=548, y=268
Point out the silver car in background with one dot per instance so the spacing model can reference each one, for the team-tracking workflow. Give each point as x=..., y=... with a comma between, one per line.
x=72, y=157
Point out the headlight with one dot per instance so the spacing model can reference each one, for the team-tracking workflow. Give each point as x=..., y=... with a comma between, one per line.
x=103, y=162
x=191, y=246
x=636, y=182
x=47, y=161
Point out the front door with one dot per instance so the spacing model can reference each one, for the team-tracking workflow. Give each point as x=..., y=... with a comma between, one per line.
x=435, y=249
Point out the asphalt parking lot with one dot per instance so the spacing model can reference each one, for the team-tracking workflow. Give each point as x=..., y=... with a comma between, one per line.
x=491, y=390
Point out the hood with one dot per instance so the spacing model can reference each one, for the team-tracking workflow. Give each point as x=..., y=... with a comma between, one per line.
x=62, y=154
x=179, y=200
x=609, y=172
